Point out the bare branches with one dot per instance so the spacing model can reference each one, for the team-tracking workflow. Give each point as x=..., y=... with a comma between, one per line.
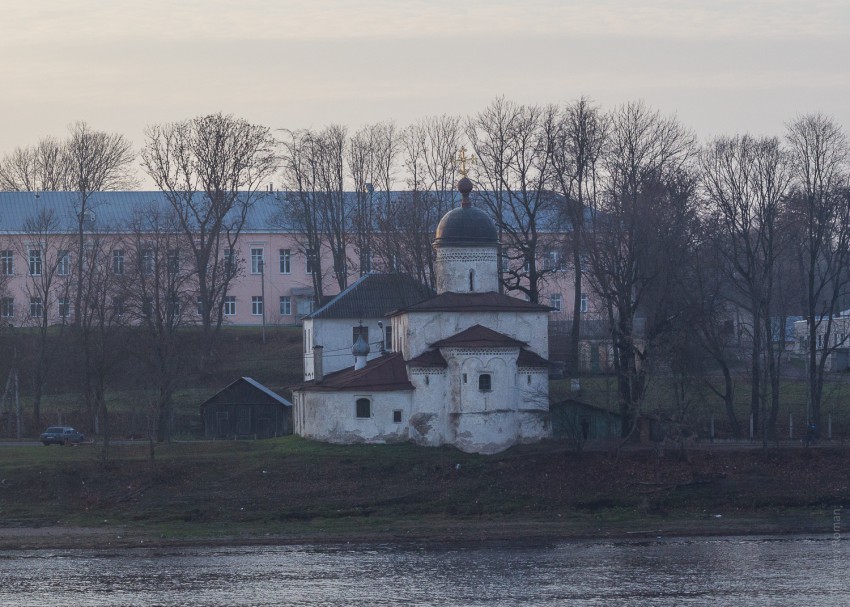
x=97, y=161
x=211, y=169
x=159, y=288
x=87, y=161
x=580, y=138
x=41, y=167
x=820, y=204
x=640, y=231
x=746, y=181
x=304, y=178
x=513, y=144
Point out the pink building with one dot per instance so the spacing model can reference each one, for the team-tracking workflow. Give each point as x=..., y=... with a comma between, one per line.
x=39, y=243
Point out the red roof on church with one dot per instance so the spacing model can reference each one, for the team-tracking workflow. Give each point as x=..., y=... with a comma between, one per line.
x=429, y=358
x=479, y=337
x=527, y=358
x=383, y=374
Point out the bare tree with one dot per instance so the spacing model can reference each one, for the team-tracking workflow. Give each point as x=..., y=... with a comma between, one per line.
x=711, y=321
x=95, y=161
x=42, y=167
x=429, y=150
x=47, y=252
x=406, y=226
x=386, y=143
x=372, y=164
x=361, y=167
x=513, y=144
x=336, y=214
x=745, y=180
x=638, y=237
x=302, y=208
x=102, y=317
x=159, y=285
x=820, y=158
x=211, y=169
x=580, y=140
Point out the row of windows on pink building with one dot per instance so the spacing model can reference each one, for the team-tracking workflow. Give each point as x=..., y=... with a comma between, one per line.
x=273, y=283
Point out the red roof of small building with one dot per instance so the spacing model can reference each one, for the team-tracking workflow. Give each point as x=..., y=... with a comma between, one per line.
x=383, y=374
x=429, y=358
x=530, y=359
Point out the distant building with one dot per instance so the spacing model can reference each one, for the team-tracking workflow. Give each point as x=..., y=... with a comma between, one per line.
x=837, y=345
x=467, y=367
x=276, y=270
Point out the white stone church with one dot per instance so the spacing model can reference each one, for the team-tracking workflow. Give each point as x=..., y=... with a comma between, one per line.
x=467, y=367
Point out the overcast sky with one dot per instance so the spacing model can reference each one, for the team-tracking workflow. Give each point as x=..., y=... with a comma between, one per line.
x=723, y=66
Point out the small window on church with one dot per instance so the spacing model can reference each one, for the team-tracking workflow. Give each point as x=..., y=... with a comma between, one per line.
x=471, y=280
x=363, y=407
x=485, y=382
x=397, y=416
x=529, y=379
x=464, y=378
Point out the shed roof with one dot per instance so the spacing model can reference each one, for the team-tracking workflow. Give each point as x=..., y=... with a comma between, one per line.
x=254, y=384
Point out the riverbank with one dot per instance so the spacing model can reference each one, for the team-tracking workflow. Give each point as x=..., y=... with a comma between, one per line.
x=466, y=533
x=293, y=491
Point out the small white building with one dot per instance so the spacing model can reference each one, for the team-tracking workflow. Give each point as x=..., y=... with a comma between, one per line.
x=363, y=308
x=467, y=367
x=836, y=346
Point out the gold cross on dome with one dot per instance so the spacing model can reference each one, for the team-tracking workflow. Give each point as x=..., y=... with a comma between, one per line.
x=463, y=159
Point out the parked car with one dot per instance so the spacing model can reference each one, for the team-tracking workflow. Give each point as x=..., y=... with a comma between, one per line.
x=59, y=435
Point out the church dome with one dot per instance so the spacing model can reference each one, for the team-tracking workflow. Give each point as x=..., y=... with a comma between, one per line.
x=466, y=226
x=360, y=347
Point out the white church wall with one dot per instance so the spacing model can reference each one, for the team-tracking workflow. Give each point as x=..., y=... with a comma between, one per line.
x=500, y=366
x=532, y=389
x=453, y=266
x=336, y=338
x=419, y=329
x=429, y=415
x=487, y=432
x=332, y=416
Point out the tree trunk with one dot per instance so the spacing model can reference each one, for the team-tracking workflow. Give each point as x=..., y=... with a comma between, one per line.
x=575, y=327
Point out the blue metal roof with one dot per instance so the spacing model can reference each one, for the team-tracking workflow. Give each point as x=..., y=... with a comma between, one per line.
x=113, y=211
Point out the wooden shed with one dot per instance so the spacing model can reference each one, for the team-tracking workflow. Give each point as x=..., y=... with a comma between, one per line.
x=577, y=420
x=248, y=409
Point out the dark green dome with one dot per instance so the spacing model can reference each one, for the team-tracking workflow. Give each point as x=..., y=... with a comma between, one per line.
x=466, y=226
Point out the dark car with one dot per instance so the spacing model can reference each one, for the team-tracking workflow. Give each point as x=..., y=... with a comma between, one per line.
x=59, y=435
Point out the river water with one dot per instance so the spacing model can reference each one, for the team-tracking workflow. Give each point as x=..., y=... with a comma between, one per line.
x=739, y=571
